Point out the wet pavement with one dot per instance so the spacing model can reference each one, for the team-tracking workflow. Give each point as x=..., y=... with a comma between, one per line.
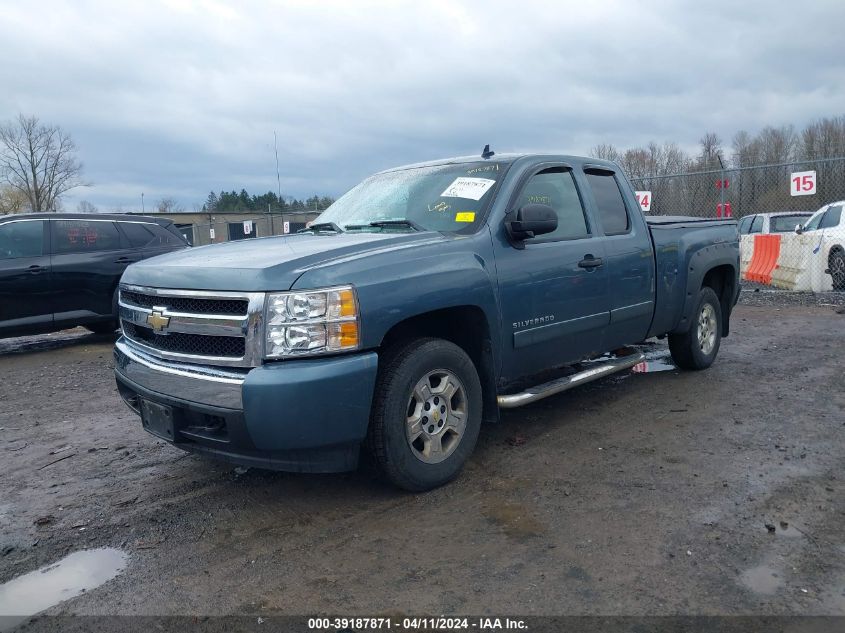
x=46, y=587
x=651, y=492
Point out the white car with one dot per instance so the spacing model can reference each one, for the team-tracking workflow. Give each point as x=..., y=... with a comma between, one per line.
x=783, y=222
x=825, y=232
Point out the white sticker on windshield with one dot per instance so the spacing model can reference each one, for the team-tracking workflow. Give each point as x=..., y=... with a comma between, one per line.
x=469, y=188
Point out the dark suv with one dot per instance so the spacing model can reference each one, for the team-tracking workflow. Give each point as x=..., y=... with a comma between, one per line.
x=60, y=270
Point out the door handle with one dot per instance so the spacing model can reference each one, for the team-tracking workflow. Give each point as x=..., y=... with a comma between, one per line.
x=590, y=262
x=36, y=269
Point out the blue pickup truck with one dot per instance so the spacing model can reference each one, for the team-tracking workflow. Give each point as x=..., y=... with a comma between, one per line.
x=419, y=304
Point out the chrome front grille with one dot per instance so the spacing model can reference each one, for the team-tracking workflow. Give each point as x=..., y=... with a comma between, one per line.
x=197, y=305
x=196, y=326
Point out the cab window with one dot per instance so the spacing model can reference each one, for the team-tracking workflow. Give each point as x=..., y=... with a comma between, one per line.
x=84, y=236
x=745, y=225
x=556, y=188
x=21, y=239
x=611, y=206
x=757, y=224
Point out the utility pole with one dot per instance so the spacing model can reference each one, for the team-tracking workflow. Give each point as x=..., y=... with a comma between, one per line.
x=143, y=210
x=278, y=177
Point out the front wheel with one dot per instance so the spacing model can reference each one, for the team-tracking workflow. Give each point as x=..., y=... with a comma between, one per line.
x=698, y=346
x=426, y=413
x=107, y=327
x=837, y=270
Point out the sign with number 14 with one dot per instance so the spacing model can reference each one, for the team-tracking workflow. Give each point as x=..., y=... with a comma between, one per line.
x=644, y=198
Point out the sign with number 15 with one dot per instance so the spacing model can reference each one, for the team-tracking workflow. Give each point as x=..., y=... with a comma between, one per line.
x=802, y=183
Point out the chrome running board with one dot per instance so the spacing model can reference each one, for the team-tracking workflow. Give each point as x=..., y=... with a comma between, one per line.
x=538, y=392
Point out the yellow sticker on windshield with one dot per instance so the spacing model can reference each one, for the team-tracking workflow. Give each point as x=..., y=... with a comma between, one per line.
x=465, y=216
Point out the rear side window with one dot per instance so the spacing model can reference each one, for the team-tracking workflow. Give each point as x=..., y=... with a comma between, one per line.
x=163, y=237
x=831, y=218
x=744, y=225
x=84, y=236
x=21, y=239
x=757, y=224
x=137, y=234
x=556, y=188
x=611, y=207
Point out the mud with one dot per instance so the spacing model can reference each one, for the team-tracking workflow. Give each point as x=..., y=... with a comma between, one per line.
x=644, y=493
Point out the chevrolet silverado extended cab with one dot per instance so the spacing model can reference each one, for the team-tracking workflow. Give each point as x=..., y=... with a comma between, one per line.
x=418, y=304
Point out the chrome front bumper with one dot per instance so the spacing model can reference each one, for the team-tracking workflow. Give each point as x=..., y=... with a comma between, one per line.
x=213, y=386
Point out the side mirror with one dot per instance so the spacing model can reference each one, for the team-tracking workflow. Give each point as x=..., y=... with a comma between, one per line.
x=799, y=229
x=532, y=220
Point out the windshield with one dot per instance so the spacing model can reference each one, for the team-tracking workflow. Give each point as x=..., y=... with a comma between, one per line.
x=451, y=198
x=813, y=222
x=785, y=223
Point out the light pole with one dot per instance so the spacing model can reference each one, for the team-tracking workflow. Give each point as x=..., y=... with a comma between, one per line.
x=143, y=210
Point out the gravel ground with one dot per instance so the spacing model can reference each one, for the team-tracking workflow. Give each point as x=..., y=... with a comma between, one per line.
x=665, y=492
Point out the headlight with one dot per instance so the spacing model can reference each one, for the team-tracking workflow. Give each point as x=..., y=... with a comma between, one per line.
x=313, y=322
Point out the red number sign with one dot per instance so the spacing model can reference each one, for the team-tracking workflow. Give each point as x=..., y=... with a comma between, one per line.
x=802, y=183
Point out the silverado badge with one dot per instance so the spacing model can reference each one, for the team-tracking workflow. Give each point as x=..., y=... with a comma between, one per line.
x=157, y=320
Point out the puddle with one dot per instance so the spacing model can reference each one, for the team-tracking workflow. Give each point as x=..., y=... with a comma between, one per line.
x=657, y=360
x=516, y=520
x=82, y=571
x=762, y=579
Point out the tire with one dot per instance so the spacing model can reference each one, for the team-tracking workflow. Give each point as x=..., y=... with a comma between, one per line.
x=106, y=327
x=836, y=266
x=697, y=347
x=410, y=453
x=103, y=327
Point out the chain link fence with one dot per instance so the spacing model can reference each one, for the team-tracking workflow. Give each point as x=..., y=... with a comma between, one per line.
x=790, y=215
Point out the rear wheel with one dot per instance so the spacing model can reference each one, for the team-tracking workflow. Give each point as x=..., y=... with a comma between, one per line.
x=837, y=269
x=426, y=413
x=698, y=346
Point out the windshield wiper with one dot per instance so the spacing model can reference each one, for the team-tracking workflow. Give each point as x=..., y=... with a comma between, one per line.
x=386, y=224
x=321, y=226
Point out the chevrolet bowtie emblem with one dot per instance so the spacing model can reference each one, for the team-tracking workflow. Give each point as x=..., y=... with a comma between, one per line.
x=157, y=320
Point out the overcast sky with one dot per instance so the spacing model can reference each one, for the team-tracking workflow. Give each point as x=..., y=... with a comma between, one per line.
x=178, y=98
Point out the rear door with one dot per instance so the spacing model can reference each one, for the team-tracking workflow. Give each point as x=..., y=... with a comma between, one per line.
x=88, y=258
x=24, y=276
x=629, y=257
x=554, y=296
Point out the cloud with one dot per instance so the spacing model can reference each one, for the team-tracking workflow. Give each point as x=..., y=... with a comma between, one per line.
x=178, y=98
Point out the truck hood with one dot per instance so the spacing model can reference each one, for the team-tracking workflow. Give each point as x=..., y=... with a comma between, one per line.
x=264, y=264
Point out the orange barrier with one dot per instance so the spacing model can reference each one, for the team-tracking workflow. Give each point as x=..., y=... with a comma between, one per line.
x=764, y=259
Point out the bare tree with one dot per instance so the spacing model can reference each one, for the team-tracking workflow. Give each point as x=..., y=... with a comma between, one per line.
x=169, y=205
x=86, y=207
x=11, y=200
x=605, y=151
x=39, y=161
x=711, y=150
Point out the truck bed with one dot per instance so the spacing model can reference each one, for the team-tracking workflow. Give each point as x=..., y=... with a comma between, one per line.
x=684, y=247
x=666, y=220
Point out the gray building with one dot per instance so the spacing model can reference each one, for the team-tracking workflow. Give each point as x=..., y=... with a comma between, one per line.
x=212, y=228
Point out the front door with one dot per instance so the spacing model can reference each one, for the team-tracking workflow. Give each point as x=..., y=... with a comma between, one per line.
x=24, y=277
x=554, y=292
